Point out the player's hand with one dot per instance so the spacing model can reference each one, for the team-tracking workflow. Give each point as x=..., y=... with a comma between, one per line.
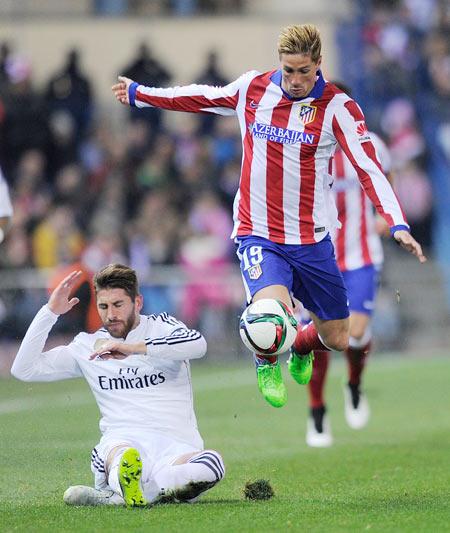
x=117, y=350
x=59, y=302
x=408, y=242
x=120, y=90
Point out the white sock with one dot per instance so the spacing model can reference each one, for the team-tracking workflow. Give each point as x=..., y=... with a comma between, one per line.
x=206, y=466
x=113, y=471
x=212, y=462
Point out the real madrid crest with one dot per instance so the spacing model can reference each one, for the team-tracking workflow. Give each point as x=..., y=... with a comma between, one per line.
x=307, y=113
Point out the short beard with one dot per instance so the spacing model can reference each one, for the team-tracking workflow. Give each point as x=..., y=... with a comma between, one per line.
x=127, y=328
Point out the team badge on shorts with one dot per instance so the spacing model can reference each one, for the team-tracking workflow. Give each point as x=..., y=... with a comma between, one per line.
x=307, y=113
x=255, y=271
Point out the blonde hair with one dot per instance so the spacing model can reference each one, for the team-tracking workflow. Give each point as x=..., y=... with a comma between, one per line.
x=300, y=39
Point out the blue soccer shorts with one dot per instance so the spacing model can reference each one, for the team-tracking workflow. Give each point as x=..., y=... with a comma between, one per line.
x=362, y=284
x=308, y=271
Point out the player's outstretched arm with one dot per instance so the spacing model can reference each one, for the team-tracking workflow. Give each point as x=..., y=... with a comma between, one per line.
x=120, y=90
x=118, y=350
x=180, y=345
x=31, y=362
x=407, y=241
x=60, y=301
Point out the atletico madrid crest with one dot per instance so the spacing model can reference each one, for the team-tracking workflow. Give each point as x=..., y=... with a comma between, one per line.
x=255, y=271
x=307, y=113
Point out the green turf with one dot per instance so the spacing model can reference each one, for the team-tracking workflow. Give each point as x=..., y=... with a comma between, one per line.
x=392, y=476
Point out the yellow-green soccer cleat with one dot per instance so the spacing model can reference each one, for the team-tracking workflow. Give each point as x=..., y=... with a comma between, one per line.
x=270, y=383
x=130, y=471
x=301, y=367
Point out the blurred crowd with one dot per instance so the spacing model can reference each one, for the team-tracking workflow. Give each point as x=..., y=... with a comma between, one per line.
x=149, y=191
x=87, y=192
x=180, y=8
x=402, y=80
x=407, y=84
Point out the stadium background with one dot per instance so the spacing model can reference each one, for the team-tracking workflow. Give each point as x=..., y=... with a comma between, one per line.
x=92, y=182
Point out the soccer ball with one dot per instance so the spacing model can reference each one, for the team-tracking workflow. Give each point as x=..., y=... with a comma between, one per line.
x=268, y=327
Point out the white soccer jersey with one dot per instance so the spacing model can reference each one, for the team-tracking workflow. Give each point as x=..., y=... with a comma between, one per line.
x=140, y=393
x=357, y=244
x=287, y=145
x=6, y=209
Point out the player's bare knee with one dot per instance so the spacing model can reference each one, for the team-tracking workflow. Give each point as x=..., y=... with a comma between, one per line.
x=182, y=459
x=357, y=332
x=339, y=346
x=342, y=344
x=337, y=341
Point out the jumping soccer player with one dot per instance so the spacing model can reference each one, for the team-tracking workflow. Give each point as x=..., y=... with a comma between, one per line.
x=290, y=120
x=138, y=370
x=359, y=256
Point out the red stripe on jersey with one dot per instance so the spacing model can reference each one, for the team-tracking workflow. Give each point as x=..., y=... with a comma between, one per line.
x=255, y=92
x=338, y=161
x=308, y=169
x=189, y=104
x=363, y=177
x=330, y=166
x=369, y=148
x=339, y=173
x=274, y=175
x=363, y=235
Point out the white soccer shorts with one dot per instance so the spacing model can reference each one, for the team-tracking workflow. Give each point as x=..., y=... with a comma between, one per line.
x=157, y=451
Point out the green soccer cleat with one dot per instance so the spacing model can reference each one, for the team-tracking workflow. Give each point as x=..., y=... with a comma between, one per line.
x=130, y=471
x=270, y=383
x=301, y=366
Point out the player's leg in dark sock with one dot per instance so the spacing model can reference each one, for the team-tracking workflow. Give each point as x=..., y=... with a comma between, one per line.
x=318, y=431
x=307, y=340
x=357, y=411
x=317, y=384
x=356, y=360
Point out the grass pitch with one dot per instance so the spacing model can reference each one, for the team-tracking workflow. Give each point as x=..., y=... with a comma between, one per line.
x=392, y=476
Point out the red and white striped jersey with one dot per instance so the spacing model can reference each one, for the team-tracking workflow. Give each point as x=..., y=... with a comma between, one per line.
x=357, y=243
x=284, y=190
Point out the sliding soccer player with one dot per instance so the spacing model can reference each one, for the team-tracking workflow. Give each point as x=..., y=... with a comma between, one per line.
x=138, y=370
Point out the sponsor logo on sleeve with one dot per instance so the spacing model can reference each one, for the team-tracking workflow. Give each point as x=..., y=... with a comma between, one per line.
x=362, y=131
x=307, y=113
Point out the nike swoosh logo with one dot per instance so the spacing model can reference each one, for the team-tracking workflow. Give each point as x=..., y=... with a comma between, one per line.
x=253, y=105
